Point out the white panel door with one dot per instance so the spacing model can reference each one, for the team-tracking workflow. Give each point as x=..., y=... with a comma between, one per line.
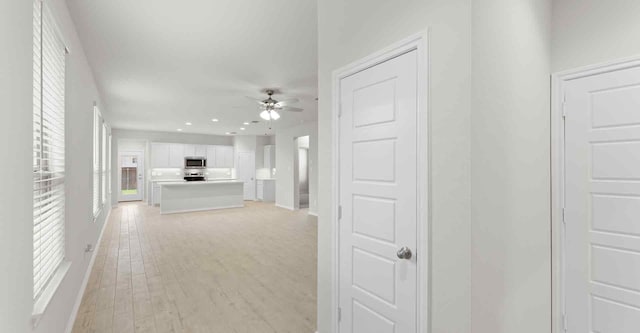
x=602, y=189
x=378, y=196
x=247, y=174
x=131, y=176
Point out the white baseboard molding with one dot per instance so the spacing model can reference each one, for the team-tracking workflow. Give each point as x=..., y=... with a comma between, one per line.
x=87, y=274
x=285, y=207
x=313, y=214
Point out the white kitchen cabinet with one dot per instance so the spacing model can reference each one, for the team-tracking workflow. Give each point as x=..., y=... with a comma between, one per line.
x=224, y=157
x=155, y=194
x=266, y=190
x=159, y=155
x=176, y=155
x=195, y=150
x=269, y=157
x=189, y=150
x=211, y=156
x=200, y=150
x=171, y=155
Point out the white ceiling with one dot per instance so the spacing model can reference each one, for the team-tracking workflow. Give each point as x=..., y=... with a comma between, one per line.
x=161, y=63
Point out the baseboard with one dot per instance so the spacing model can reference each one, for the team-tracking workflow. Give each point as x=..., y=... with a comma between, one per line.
x=316, y=215
x=285, y=207
x=87, y=274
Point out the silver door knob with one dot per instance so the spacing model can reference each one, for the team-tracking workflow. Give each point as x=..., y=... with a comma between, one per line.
x=404, y=253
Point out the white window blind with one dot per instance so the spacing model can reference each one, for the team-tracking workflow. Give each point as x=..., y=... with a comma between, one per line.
x=96, y=160
x=48, y=148
x=109, y=165
x=104, y=163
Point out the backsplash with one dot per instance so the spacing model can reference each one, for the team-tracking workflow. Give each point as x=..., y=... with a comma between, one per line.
x=265, y=173
x=176, y=173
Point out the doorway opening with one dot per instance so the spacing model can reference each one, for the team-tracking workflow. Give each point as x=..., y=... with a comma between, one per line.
x=131, y=170
x=301, y=172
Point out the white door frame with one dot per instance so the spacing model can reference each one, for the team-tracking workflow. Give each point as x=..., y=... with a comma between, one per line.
x=252, y=155
x=558, y=298
x=141, y=184
x=419, y=43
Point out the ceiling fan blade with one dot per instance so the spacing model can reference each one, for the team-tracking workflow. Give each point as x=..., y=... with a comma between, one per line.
x=291, y=109
x=286, y=102
x=257, y=100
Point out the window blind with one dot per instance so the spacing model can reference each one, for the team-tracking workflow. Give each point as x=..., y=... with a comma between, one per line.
x=104, y=163
x=109, y=142
x=48, y=148
x=96, y=161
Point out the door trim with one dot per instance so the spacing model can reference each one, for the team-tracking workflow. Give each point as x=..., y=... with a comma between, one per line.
x=417, y=42
x=142, y=185
x=558, y=81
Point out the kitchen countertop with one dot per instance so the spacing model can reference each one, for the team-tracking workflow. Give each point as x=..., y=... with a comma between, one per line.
x=180, y=180
x=206, y=182
x=265, y=179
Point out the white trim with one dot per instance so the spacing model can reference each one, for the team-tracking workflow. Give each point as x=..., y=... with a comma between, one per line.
x=285, y=207
x=143, y=183
x=558, y=299
x=420, y=43
x=312, y=213
x=85, y=280
x=42, y=302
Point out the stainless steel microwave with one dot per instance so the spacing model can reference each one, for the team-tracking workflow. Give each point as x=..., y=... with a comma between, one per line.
x=195, y=162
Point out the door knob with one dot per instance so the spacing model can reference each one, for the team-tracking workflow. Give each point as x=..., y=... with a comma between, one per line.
x=404, y=253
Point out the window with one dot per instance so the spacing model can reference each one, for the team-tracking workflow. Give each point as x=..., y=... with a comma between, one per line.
x=103, y=170
x=97, y=121
x=109, y=165
x=101, y=161
x=49, y=55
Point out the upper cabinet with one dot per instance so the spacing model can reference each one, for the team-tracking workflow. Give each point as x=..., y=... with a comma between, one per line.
x=195, y=150
x=269, y=156
x=211, y=156
x=224, y=157
x=159, y=155
x=176, y=155
x=171, y=155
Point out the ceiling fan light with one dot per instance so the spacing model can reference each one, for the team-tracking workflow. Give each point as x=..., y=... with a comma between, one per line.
x=265, y=115
x=275, y=115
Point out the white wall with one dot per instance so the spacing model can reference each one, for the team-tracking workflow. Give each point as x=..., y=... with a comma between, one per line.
x=16, y=194
x=352, y=29
x=587, y=32
x=146, y=138
x=285, y=167
x=510, y=135
x=261, y=141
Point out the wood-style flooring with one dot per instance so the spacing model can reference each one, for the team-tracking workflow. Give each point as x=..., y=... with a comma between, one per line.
x=245, y=270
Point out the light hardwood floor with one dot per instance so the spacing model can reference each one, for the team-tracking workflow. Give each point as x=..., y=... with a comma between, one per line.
x=249, y=269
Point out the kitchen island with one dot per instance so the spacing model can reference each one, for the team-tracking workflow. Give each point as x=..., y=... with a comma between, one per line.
x=182, y=197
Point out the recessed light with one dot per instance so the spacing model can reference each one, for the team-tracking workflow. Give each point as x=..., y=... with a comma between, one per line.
x=179, y=129
x=242, y=128
x=214, y=120
x=188, y=123
x=246, y=123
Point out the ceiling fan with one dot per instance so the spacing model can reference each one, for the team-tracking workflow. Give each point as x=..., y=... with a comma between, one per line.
x=270, y=106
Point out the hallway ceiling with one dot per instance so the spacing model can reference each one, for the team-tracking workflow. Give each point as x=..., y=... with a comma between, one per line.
x=160, y=64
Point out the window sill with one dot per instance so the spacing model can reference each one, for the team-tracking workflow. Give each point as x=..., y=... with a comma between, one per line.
x=41, y=304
